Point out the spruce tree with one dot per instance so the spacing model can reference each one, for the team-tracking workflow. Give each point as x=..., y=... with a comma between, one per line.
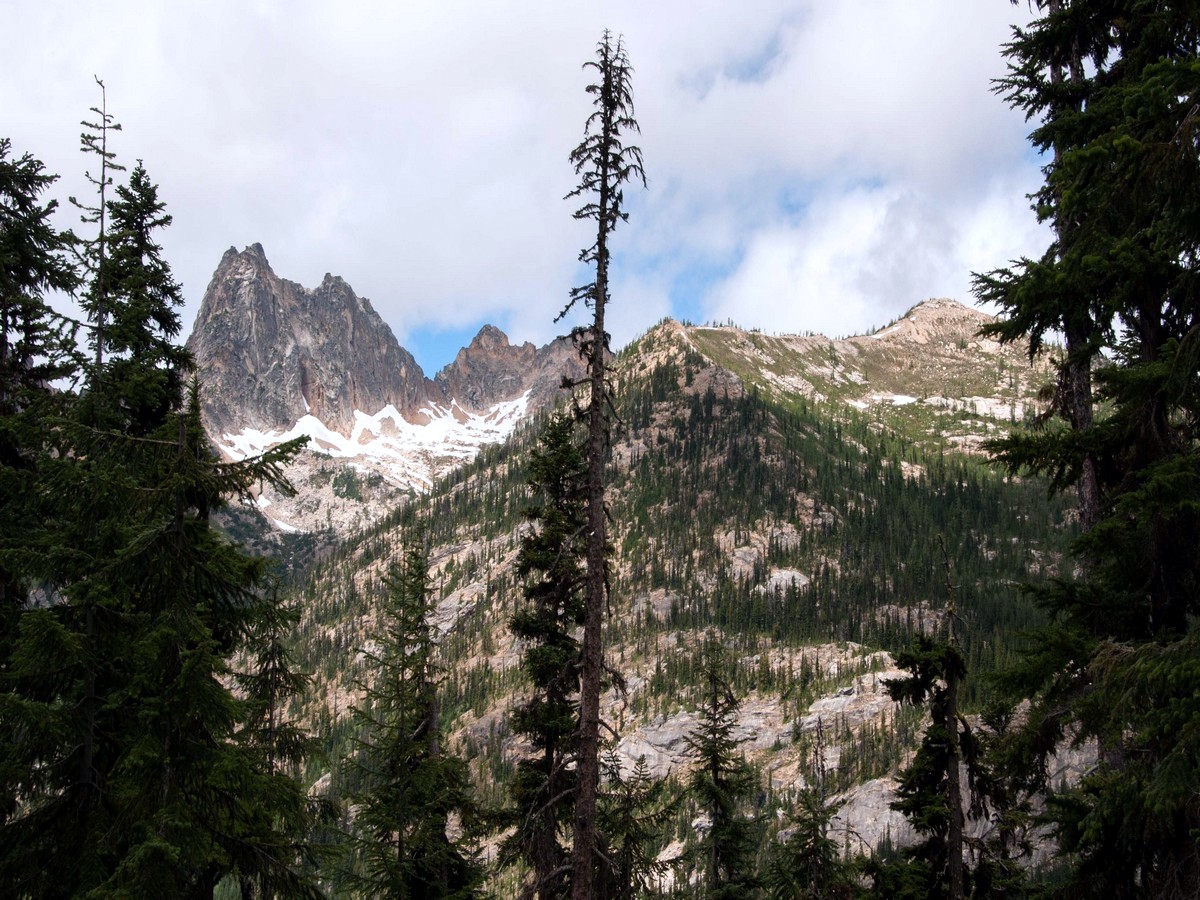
x=126, y=750
x=146, y=370
x=721, y=784
x=123, y=764
x=269, y=681
x=604, y=162
x=808, y=864
x=634, y=810
x=929, y=793
x=550, y=562
x=1117, y=661
x=33, y=263
x=930, y=790
x=410, y=786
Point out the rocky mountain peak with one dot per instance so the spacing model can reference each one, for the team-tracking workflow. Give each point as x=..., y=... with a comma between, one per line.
x=935, y=320
x=487, y=370
x=271, y=351
x=277, y=360
x=490, y=339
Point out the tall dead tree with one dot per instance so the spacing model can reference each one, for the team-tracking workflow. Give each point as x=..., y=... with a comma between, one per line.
x=603, y=163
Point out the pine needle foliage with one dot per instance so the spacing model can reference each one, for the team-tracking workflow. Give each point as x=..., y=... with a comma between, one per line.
x=928, y=793
x=635, y=810
x=409, y=788
x=33, y=353
x=722, y=782
x=1114, y=85
x=551, y=565
x=123, y=764
x=808, y=864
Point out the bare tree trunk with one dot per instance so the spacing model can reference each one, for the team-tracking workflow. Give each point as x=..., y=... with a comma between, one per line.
x=604, y=163
x=588, y=765
x=954, y=834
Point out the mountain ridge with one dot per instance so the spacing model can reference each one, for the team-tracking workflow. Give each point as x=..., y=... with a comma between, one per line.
x=278, y=360
x=800, y=531
x=274, y=351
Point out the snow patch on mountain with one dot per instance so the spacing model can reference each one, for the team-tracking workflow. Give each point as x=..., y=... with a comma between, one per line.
x=403, y=451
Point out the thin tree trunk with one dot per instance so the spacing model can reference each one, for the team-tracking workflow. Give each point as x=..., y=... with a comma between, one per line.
x=954, y=830
x=588, y=765
x=87, y=751
x=1079, y=406
x=954, y=836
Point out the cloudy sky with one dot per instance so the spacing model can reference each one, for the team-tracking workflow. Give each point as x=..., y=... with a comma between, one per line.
x=813, y=165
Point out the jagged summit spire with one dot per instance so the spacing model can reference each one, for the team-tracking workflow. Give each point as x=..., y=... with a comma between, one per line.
x=270, y=351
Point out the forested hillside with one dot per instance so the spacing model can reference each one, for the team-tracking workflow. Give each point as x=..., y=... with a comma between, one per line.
x=909, y=614
x=795, y=530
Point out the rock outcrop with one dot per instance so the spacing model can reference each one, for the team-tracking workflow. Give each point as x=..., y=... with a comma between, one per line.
x=491, y=370
x=278, y=360
x=270, y=351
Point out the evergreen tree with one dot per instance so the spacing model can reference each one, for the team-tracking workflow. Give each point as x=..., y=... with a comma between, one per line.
x=808, y=865
x=634, y=812
x=550, y=562
x=604, y=163
x=929, y=792
x=123, y=732
x=123, y=768
x=1117, y=660
x=281, y=747
x=33, y=262
x=721, y=783
x=410, y=787
x=270, y=681
x=146, y=370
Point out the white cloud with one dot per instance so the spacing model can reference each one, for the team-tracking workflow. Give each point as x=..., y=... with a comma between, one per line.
x=809, y=149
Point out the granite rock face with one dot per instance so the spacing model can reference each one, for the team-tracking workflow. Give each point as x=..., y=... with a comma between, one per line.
x=270, y=351
x=490, y=370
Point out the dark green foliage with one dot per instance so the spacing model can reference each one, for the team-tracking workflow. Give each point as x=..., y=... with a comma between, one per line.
x=32, y=354
x=408, y=785
x=1115, y=83
x=145, y=370
x=634, y=813
x=123, y=741
x=718, y=469
x=127, y=764
x=32, y=264
x=551, y=566
x=808, y=865
x=929, y=794
x=346, y=485
x=721, y=784
x=269, y=682
x=1002, y=857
